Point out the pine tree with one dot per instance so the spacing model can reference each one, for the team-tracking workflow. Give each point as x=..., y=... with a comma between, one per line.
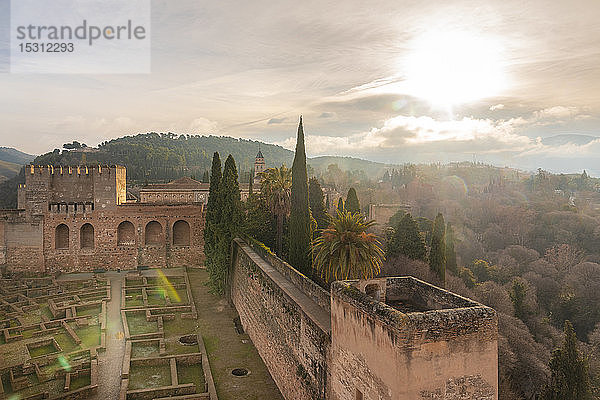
x=569, y=378
x=317, y=203
x=450, y=252
x=229, y=225
x=340, y=206
x=437, y=253
x=406, y=240
x=299, y=235
x=352, y=203
x=213, y=212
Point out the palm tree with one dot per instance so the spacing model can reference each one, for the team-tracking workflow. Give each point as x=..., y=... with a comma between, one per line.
x=346, y=251
x=276, y=189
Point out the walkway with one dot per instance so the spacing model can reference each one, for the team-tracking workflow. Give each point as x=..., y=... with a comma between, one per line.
x=110, y=362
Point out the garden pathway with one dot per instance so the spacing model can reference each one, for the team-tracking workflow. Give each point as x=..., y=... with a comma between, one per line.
x=110, y=362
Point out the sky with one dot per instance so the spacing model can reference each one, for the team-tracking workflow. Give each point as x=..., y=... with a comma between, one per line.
x=392, y=81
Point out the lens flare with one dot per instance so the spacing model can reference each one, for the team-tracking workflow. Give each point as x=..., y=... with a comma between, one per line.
x=166, y=287
x=64, y=363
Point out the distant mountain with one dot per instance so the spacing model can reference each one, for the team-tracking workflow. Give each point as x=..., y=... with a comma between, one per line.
x=576, y=139
x=371, y=168
x=15, y=156
x=11, y=161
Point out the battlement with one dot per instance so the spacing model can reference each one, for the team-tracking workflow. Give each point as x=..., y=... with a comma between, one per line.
x=73, y=169
x=50, y=188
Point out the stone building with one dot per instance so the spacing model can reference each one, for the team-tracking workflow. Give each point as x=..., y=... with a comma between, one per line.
x=77, y=219
x=183, y=191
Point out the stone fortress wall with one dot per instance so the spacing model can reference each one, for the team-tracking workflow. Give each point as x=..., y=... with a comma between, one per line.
x=73, y=219
x=391, y=338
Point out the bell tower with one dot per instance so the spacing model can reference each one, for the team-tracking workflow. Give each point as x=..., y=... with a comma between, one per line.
x=259, y=166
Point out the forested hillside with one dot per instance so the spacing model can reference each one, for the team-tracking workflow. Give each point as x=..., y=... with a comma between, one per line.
x=159, y=157
x=527, y=245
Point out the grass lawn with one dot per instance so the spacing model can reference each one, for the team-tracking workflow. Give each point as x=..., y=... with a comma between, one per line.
x=89, y=335
x=147, y=349
x=79, y=382
x=225, y=348
x=149, y=376
x=138, y=325
x=191, y=374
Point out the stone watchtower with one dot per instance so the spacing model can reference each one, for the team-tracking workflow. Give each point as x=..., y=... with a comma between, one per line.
x=259, y=166
x=71, y=189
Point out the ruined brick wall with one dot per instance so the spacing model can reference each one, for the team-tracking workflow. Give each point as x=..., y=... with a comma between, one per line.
x=21, y=244
x=289, y=329
x=107, y=252
x=382, y=213
x=378, y=352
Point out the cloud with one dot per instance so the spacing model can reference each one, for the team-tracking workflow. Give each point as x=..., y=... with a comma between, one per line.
x=497, y=107
x=327, y=115
x=203, y=126
x=556, y=112
x=275, y=121
x=401, y=132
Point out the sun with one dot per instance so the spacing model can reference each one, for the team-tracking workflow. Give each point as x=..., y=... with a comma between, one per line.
x=453, y=68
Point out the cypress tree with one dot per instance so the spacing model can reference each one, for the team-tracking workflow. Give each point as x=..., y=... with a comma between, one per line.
x=340, y=205
x=230, y=224
x=352, y=203
x=569, y=378
x=251, y=183
x=450, y=252
x=299, y=234
x=437, y=253
x=205, y=178
x=317, y=203
x=213, y=212
x=406, y=240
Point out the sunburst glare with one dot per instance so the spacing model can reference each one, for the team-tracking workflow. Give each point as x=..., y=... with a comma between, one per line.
x=452, y=68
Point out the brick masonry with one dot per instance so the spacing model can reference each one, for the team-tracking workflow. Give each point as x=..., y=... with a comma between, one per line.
x=290, y=331
x=367, y=350
x=77, y=196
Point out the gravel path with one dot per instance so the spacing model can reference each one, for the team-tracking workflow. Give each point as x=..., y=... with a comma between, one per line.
x=110, y=362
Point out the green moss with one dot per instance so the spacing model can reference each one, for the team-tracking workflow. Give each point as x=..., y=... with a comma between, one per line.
x=191, y=374
x=149, y=376
x=81, y=381
x=89, y=335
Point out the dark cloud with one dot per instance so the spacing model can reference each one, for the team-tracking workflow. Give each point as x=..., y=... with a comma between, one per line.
x=275, y=121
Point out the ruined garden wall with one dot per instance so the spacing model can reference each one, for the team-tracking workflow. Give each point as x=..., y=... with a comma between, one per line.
x=380, y=353
x=290, y=330
x=21, y=241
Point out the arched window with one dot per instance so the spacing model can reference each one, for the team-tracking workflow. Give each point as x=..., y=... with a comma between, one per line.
x=181, y=233
x=61, y=237
x=86, y=236
x=126, y=234
x=153, y=234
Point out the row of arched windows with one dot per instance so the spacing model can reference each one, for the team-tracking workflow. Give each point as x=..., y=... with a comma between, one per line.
x=153, y=235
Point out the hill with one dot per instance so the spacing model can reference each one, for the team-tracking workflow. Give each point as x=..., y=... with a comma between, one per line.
x=158, y=157
x=8, y=170
x=372, y=169
x=11, y=161
x=14, y=156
